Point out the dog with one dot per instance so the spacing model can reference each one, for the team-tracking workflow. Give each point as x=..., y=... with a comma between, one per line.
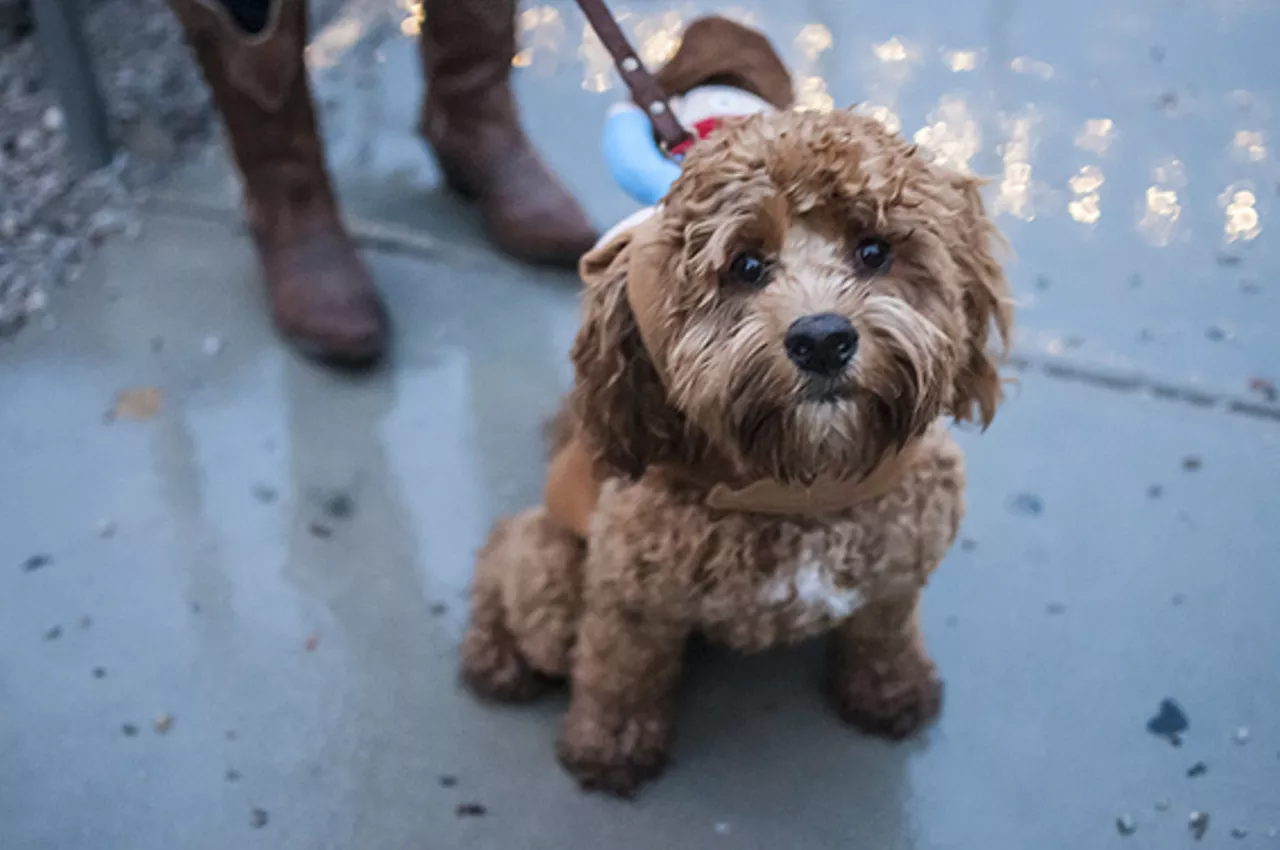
x=755, y=447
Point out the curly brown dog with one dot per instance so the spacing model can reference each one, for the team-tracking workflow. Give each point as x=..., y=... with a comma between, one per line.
x=755, y=446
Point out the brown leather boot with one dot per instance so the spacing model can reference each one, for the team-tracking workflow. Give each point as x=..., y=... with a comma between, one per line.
x=321, y=295
x=469, y=117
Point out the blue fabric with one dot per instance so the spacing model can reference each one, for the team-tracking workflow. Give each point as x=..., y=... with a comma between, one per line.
x=634, y=159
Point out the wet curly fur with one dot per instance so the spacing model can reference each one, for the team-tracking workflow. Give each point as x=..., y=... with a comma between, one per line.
x=723, y=401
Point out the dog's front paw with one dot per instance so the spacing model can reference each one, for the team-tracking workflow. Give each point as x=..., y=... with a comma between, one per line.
x=892, y=703
x=613, y=754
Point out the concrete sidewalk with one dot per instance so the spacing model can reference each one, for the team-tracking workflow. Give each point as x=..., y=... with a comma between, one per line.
x=232, y=620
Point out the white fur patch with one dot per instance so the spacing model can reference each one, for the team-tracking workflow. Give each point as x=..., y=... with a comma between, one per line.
x=813, y=588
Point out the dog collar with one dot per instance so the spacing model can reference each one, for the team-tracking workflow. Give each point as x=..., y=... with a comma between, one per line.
x=573, y=490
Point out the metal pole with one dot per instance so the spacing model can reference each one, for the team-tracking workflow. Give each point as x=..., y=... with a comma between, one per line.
x=67, y=64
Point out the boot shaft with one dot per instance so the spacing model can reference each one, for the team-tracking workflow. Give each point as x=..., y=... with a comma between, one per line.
x=259, y=84
x=467, y=47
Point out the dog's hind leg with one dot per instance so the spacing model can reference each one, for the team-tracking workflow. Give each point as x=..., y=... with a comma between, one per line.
x=526, y=600
x=879, y=677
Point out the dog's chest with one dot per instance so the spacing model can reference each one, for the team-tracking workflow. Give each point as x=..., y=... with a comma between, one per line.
x=815, y=589
x=802, y=593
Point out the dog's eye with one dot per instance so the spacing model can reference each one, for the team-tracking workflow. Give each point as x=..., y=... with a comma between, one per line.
x=873, y=255
x=748, y=269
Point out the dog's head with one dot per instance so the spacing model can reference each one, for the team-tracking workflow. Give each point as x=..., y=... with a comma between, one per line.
x=812, y=295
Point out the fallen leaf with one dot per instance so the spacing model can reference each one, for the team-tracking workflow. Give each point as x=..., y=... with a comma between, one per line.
x=1264, y=387
x=139, y=404
x=1170, y=721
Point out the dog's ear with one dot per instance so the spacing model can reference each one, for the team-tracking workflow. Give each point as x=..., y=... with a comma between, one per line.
x=987, y=303
x=618, y=398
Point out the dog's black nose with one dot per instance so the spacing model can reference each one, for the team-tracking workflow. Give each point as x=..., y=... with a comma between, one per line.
x=822, y=344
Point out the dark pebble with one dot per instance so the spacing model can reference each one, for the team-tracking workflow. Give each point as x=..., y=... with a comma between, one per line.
x=1027, y=504
x=1042, y=282
x=1227, y=260
x=1198, y=823
x=86, y=622
x=1126, y=825
x=53, y=633
x=1055, y=608
x=129, y=730
x=1216, y=333
x=447, y=781
x=230, y=735
x=1167, y=101
x=1155, y=491
x=233, y=776
x=471, y=810
x=1170, y=721
x=36, y=562
x=1178, y=599
x=438, y=609
x=339, y=505
x=320, y=530
x=1191, y=463
x=195, y=607
x=99, y=672
x=258, y=818
x=1197, y=769
x=1238, y=833
x=968, y=544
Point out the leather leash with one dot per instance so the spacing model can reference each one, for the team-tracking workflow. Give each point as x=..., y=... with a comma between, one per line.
x=648, y=95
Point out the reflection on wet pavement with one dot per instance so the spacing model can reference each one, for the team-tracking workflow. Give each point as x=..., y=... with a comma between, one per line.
x=1132, y=138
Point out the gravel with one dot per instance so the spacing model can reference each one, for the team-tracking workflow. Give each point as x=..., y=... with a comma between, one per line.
x=52, y=217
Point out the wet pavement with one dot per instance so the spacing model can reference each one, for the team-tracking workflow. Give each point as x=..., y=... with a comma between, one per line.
x=229, y=603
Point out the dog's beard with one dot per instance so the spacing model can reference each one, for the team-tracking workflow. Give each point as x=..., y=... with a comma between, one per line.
x=775, y=421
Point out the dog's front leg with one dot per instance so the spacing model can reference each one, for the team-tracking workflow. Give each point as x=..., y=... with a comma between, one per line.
x=879, y=677
x=616, y=733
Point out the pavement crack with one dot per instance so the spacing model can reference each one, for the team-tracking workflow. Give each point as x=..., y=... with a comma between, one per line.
x=1133, y=382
